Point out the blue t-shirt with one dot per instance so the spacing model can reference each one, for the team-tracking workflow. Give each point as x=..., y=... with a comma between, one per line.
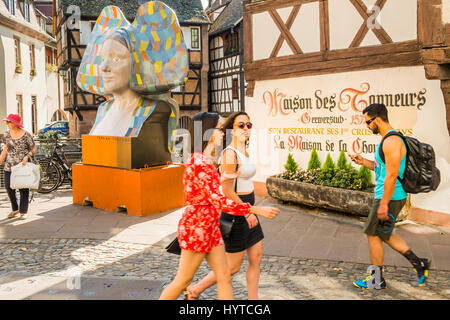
x=380, y=176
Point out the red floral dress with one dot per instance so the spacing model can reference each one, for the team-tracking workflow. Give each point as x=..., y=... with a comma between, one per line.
x=198, y=229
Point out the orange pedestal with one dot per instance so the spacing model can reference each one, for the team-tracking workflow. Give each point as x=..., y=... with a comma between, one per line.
x=141, y=191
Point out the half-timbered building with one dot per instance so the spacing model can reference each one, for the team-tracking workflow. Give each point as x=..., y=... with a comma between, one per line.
x=73, y=36
x=312, y=66
x=226, y=74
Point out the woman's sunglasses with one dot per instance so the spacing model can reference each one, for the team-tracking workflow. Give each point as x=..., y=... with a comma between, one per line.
x=241, y=125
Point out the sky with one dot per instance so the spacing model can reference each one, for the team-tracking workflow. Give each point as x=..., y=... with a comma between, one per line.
x=205, y=3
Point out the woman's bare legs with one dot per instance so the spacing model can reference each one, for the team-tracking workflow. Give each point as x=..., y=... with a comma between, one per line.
x=218, y=262
x=254, y=256
x=234, y=262
x=188, y=265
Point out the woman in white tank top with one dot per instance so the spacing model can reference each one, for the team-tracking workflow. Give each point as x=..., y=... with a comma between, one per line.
x=246, y=234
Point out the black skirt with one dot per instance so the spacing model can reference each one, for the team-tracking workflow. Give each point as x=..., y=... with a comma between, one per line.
x=241, y=236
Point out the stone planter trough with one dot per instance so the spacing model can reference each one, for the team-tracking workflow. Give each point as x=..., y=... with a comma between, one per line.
x=349, y=201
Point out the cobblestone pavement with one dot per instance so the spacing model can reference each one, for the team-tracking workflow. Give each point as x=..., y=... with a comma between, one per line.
x=282, y=278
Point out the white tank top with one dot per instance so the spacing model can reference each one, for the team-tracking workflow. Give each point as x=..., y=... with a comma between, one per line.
x=247, y=169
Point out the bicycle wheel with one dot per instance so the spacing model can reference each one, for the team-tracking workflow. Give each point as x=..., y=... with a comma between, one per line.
x=50, y=176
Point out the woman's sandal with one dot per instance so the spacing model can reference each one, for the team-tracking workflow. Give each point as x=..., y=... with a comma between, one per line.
x=188, y=295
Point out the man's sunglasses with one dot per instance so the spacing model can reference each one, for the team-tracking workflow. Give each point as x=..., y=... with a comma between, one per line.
x=370, y=121
x=241, y=125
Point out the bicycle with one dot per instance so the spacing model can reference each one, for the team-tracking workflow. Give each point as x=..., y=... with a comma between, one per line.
x=54, y=169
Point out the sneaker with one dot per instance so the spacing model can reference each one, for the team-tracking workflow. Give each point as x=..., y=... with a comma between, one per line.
x=23, y=216
x=423, y=271
x=13, y=214
x=370, y=281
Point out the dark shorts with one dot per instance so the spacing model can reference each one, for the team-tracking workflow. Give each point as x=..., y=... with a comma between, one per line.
x=375, y=227
x=241, y=236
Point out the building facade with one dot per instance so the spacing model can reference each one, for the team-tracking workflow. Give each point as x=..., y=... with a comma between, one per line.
x=226, y=73
x=27, y=86
x=312, y=66
x=73, y=36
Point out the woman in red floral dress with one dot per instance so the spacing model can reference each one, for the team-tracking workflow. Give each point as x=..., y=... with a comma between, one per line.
x=198, y=230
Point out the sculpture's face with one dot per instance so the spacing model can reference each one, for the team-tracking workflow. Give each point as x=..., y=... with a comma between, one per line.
x=116, y=66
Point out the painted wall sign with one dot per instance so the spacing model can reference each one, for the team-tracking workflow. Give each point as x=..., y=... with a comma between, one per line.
x=325, y=112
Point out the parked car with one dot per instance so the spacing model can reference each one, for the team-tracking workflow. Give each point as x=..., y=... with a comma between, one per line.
x=60, y=127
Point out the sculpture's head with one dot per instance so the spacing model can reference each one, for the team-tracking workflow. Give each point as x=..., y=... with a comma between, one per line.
x=116, y=65
x=149, y=55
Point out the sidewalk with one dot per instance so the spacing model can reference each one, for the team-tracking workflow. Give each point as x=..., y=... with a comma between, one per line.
x=308, y=255
x=297, y=232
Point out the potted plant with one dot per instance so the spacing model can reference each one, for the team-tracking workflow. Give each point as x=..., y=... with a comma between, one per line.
x=18, y=68
x=33, y=72
x=332, y=186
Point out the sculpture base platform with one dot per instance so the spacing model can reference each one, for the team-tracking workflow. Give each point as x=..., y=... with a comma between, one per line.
x=141, y=192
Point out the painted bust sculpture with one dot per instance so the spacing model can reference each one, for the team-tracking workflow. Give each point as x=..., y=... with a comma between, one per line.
x=131, y=64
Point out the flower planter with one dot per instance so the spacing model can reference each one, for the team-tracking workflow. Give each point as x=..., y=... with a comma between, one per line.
x=349, y=201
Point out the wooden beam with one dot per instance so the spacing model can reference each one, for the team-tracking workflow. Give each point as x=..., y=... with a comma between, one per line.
x=289, y=23
x=436, y=55
x=437, y=72
x=324, y=26
x=334, y=66
x=380, y=33
x=262, y=6
x=368, y=52
x=429, y=23
x=248, y=33
x=285, y=32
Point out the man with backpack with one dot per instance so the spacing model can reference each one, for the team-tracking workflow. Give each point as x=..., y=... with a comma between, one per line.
x=390, y=163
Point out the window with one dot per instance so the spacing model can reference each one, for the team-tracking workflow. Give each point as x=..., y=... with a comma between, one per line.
x=11, y=6
x=34, y=114
x=195, y=39
x=32, y=57
x=235, y=88
x=43, y=23
x=17, y=50
x=55, y=57
x=19, y=105
x=26, y=10
x=231, y=43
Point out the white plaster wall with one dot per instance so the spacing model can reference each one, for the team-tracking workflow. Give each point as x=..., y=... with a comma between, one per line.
x=398, y=18
x=85, y=32
x=428, y=124
x=23, y=83
x=51, y=102
x=306, y=27
x=446, y=11
x=187, y=36
x=265, y=36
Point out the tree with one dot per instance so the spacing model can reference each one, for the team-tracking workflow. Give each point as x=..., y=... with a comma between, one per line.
x=329, y=163
x=342, y=160
x=366, y=177
x=314, y=162
x=291, y=165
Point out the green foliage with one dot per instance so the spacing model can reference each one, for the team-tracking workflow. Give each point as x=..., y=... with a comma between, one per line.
x=366, y=177
x=344, y=175
x=314, y=162
x=291, y=165
x=329, y=163
x=342, y=160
